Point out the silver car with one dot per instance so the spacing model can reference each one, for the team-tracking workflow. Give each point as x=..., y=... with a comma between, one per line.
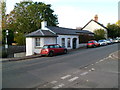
x=102, y=42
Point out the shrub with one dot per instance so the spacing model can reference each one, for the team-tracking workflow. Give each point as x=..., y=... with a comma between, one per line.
x=4, y=54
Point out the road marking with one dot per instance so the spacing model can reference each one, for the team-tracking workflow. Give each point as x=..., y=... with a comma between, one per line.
x=92, y=64
x=53, y=82
x=101, y=60
x=76, y=71
x=58, y=86
x=96, y=62
x=92, y=69
x=73, y=79
x=85, y=67
x=67, y=76
x=87, y=80
x=84, y=73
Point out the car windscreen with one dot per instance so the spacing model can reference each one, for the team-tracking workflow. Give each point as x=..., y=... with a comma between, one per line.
x=100, y=41
x=90, y=42
x=45, y=47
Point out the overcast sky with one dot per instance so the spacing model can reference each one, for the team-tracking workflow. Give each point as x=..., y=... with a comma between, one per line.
x=76, y=13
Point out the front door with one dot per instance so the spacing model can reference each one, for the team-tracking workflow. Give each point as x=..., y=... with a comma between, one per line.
x=74, y=43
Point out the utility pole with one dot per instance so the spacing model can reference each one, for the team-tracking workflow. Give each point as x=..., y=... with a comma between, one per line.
x=6, y=40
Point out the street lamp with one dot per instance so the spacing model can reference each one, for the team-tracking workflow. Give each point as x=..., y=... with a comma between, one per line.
x=6, y=40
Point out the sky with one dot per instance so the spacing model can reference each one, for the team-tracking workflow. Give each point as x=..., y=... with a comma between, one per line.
x=77, y=13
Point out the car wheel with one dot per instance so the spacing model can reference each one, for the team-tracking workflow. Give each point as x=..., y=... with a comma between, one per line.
x=65, y=51
x=50, y=54
x=94, y=46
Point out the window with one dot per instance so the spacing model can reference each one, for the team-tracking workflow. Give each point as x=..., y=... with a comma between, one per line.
x=68, y=45
x=57, y=46
x=45, y=47
x=63, y=42
x=37, y=42
x=51, y=46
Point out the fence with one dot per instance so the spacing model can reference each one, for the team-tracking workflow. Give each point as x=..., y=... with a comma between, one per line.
x=13, y=49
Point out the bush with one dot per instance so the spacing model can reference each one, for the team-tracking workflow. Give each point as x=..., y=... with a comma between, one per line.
x=4, y=54
x=99, y=34
x=20, y=39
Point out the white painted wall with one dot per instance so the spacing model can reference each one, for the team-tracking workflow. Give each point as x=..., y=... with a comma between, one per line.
x=49, y=40
x=59, y=40
x=29, y=46
x=93, y=26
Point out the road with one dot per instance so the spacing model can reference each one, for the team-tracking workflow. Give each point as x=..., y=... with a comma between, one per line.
x=40, y=72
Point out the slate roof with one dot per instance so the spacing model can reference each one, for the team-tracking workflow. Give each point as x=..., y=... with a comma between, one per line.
x=95, y=22
x=67, y=31
x=41, y=33
x=55, y=31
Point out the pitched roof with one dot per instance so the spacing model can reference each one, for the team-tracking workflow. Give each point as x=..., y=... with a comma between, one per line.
x=55, y=31
x=67, y=31
x=41, y=33
x=95, y=22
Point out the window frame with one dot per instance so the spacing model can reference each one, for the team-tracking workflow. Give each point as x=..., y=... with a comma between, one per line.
x=68, y=42
x=37, y=42
x=63, y=42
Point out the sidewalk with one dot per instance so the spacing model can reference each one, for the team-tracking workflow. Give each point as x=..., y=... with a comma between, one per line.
x=116, y=55
x=83, y=46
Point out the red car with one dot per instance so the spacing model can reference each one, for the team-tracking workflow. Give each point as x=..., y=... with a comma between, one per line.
x=92, y=43
x=52, y=49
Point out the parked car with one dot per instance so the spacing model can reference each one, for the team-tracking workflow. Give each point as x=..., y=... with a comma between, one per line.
x=52, y=49
x=115, y=40
x=102, y=42
x=92, y=43
x=109, y=41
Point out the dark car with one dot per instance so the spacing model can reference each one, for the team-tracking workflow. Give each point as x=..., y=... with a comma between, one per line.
x=52, y=49
x=92, y=43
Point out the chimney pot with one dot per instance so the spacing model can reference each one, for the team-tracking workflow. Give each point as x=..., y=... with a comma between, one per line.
x=96, y=18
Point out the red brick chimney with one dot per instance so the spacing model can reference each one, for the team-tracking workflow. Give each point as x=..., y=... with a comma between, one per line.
x=96, y=18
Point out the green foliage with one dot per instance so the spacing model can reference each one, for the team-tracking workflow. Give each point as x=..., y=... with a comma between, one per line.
x=4, y=54
x=85, y=38
x=113, y=30
x=19, y=39
x=3, y=8
x=27, y=16
x=118, y=23
x=99, y=34
x=10, y=37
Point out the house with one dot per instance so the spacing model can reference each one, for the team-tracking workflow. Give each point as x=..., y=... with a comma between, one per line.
x=66, y=37
x=94, y=24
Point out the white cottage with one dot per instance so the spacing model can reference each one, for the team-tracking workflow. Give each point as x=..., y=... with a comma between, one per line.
x=65, y=37
x=94, y=24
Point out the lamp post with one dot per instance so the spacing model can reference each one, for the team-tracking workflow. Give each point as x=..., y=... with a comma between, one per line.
x=6, y=40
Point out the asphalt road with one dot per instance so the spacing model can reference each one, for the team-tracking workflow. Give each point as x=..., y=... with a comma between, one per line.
x=38, y=72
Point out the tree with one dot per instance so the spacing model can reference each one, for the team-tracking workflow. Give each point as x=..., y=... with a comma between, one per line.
x=19, y=38
x=118, y=23
x=99, y=34
x=3, y=8
x=113, y=30
x=27, y=16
